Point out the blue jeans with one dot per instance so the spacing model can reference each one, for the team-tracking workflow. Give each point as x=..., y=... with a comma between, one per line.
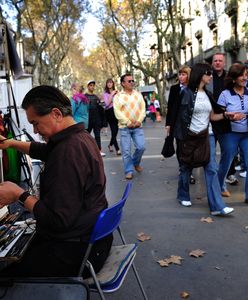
x=229, y=144
x=129, y=160
x=215, y=200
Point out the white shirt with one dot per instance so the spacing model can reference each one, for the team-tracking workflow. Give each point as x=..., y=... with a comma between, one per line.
x=201, y=113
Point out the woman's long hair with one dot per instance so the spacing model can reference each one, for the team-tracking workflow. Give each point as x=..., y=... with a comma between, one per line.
x=197, y=71
x=106, y=89
x=236, y=70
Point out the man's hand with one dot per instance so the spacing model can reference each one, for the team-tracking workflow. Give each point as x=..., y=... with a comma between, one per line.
x=9, y=193
x=137, y=124
x=4, y=143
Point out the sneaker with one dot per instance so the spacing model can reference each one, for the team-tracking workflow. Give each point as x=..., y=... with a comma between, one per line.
x=102, y=154
x=232, y=180
x=118, y=152
x=225, y=194
x=129, y=176
x=238, y=168
x=186, y=203
x=138, y=169
x=225, y=211
x=242, y=174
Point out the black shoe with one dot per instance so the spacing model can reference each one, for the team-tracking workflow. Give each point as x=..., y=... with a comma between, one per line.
x=192, y=179
x=246, y=201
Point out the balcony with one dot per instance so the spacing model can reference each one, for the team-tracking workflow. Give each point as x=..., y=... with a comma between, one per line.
x=232, y=45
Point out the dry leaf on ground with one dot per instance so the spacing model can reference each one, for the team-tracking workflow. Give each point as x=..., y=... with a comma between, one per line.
x=197, y=253
x=184, y=295
x=207, y=220
x=173, y=259
x=143, y=237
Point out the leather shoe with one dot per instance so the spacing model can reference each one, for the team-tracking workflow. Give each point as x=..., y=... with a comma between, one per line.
x=225, y=194
x=138, y=168
x=129, y=176
x=110, y=148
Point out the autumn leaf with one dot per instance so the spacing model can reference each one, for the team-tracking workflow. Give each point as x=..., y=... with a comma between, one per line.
x=163, y=263
x=207, y=220
x=197, y=253
x=173, y=259
x=184, y=295
x=143, y=237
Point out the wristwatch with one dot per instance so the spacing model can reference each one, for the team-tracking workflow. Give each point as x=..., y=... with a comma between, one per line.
x=23, y=197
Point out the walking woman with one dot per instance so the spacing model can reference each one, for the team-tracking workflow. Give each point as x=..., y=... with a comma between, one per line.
x=235, y=135
x=80, y=105
x=193, y=118
x=108, y=96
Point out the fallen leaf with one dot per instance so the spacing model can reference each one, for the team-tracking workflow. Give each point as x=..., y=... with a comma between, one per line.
x=207, y=220
x=163, y=262
x=184, y=295
x=197, y=253
x=173, y=259
x=143, y=237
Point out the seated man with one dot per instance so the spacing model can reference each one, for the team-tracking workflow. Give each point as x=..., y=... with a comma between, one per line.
x=72, y=190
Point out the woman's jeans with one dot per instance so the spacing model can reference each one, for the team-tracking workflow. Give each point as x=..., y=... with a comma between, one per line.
x=215, y=200
x=229, y=144
x=126, y=136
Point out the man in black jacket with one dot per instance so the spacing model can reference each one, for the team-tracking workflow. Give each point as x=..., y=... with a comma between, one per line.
x=216, y=86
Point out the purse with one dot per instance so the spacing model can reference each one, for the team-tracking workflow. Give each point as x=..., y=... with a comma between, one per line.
x=194, y=151
x=168, y=149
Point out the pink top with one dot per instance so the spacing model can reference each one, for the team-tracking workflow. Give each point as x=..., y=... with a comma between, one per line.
x=108, y=100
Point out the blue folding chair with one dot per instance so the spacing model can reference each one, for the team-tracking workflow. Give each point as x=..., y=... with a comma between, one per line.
x=121, y=258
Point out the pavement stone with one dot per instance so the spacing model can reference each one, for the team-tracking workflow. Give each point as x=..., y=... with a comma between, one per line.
x=152, y=208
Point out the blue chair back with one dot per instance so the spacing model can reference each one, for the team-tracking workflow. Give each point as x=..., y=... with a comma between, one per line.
x=109, y=219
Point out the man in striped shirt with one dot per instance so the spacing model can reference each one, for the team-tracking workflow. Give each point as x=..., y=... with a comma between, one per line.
x=129, y=109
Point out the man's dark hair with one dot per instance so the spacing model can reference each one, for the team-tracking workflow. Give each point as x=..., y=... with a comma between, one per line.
x=124, y=76
x=197, y=71
x=236, y=70
x=44, y=98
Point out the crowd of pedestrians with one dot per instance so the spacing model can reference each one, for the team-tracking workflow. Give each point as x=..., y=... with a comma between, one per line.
x=207, y=101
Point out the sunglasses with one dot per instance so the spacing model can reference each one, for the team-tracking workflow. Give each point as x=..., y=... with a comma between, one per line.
x=208, y=73
x=129, y=81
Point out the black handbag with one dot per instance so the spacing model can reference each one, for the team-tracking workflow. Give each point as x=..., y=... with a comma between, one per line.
x=195, y=150
x=168, y=149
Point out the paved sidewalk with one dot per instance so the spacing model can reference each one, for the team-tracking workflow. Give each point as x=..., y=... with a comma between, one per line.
x=152, y=208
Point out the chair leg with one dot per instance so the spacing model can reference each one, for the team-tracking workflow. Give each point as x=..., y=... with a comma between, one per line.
x=139, y=281
x=121, y=235
x=96, y=281
x=133, y=266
